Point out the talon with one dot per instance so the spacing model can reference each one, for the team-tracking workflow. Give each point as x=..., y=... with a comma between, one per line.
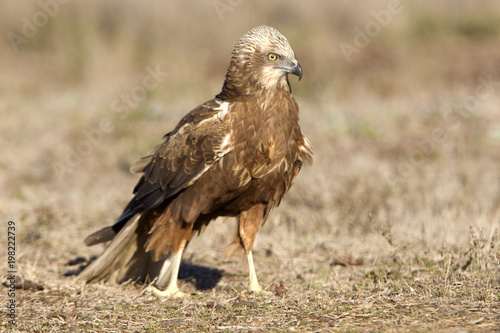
x=167, y=293
x=260, y=291
x=257, y=289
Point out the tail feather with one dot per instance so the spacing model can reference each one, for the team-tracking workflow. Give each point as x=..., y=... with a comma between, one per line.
x=108, y=233
x=100, y=236
x=124, y=259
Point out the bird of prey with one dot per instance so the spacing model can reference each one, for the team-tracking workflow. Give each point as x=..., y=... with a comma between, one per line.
x=235, y=156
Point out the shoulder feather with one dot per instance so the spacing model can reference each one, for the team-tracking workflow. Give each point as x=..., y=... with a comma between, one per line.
x=199, y=141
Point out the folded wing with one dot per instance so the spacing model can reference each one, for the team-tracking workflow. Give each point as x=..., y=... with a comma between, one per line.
x=199, y=141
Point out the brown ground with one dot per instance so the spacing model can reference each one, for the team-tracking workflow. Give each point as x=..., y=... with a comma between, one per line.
x=394, y=228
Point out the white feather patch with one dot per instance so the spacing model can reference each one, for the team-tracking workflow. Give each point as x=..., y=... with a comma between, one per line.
x=223, y=109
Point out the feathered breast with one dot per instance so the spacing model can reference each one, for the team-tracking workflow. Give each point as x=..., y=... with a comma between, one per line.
x=266, y=135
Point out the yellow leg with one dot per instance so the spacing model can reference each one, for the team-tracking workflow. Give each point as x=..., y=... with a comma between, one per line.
x=172, y=289
x=254, y=285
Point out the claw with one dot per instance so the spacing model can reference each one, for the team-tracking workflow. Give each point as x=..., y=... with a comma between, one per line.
x=169, y=292
x=260, y=292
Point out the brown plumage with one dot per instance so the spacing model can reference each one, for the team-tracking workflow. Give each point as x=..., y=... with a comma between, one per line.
x=235, y=155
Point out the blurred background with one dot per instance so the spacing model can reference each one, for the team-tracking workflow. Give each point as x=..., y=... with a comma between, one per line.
x=400, y=100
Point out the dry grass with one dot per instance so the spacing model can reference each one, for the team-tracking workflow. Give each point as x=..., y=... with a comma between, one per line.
x=394, y=228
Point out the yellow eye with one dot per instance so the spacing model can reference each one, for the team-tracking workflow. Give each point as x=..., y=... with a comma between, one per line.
x=272, y=56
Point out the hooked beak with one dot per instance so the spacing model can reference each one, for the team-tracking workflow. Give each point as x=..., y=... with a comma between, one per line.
x=296, y=69
x=293, y=68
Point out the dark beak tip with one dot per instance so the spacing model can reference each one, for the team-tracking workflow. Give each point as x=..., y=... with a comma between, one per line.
x=298, y=71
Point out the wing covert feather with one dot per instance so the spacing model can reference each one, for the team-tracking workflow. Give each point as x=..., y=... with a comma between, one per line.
x=199, y=141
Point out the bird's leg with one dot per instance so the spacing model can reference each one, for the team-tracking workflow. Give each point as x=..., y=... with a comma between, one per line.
x=248, y=226
x=172, y=289
x=254, y=285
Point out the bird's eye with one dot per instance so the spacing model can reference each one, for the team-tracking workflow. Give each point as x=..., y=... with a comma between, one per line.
x=272, y=56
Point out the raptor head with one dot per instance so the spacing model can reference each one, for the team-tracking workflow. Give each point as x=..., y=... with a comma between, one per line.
x=262, y=58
